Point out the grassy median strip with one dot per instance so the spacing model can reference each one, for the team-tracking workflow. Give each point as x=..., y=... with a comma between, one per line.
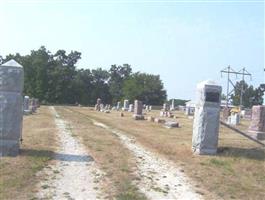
x=18, y=178
x=237, y=172
x=115, y=160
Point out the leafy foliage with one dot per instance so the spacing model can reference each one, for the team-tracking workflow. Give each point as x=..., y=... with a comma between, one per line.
x=55, y=79
x=145, y=87
x=251, y=96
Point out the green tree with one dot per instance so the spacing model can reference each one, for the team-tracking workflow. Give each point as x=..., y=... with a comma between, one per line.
x=100, y=86
x=146, y=87
x=251, y=96
x=118, y=74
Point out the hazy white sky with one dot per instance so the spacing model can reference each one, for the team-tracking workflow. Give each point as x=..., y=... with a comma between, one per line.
x=183, y=41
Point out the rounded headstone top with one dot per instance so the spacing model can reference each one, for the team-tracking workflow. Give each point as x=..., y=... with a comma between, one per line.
x=12, y=63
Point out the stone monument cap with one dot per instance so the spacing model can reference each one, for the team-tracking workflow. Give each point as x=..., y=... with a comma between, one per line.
x=12, y=63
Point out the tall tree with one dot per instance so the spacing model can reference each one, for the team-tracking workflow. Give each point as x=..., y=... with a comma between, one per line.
x=251, y=96
x=146, y=87
x=118, y=74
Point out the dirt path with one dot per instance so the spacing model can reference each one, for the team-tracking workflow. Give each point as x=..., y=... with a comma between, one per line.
x=160, y=179
x=74, y=175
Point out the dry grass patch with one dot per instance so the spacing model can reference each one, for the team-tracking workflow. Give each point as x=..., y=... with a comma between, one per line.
x=18, y=173
x=112, y=157
x=237, y=172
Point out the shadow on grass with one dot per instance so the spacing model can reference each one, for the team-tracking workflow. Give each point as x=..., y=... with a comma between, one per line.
x=55, y=156
x=253, y=153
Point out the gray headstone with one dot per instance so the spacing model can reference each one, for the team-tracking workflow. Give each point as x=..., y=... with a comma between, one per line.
x=11, y=107
x=206, y=118
x=138, y=110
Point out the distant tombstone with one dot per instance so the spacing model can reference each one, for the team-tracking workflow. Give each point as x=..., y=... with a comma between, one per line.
x=234, y=119
x=257, y=126
x=247, y=114
x=26, y=108
x=33, y=105
x=11, y=107
x=131, y=108
x=118, y=105
x=150, y=108
x=171, y=124
x=101, y=106
x=226, y=113
x=138, y=110
x=172, y=107
x=97, y=106
x=189, y=111
x=165, y=107
x=206, y=118
x=126, y=105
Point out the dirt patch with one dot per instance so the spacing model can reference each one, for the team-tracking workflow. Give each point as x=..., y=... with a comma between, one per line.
x=74, y=174
x=112, y=157
x=159, y=178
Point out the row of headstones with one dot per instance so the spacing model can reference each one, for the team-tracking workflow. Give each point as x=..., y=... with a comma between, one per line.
x=99, y=106
x=30, y=105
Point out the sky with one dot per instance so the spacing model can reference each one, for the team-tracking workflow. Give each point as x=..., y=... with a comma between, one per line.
x=185, y=42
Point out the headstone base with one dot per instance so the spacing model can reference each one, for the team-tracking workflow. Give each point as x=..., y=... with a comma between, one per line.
x=138, y=117
x=27, y=112
x=204, y=151
x=258, y=135
x=171, y=124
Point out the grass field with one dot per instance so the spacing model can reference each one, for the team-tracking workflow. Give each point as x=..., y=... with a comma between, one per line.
x=236, y=172
x=18, y=174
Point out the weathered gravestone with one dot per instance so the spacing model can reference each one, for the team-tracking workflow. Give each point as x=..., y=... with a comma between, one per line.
x=11, y=107
x=118, y=105
x=33, y=105
x=125, y=105
x=138, y=110
x=97, y=106
x=172, y=107
x=171, y=124
x=165, y=107
x=131, y=108
x=206, y=119
x=257, y=126
x=234, y=119
x=26, y=108
x=226, y=113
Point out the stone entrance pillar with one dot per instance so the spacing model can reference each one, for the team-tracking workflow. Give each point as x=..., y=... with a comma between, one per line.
x=11, y=107
x=206, y=118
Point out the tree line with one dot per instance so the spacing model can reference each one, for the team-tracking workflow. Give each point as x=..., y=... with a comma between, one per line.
x=54, y=78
